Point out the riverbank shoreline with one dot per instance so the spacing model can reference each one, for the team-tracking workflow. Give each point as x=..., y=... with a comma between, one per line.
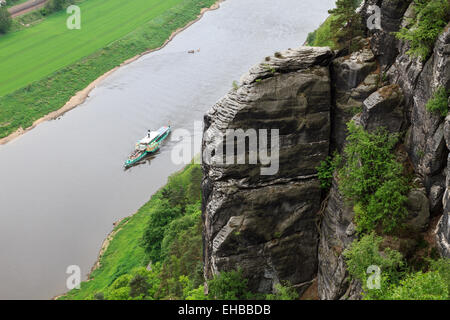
x=124, y=242
x=81, y=96
x=103, y=248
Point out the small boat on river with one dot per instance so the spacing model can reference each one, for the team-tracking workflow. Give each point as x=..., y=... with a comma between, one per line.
x=147, y=145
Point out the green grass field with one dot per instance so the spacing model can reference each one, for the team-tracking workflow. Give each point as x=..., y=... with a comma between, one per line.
x=48, y=64
x=31, y=54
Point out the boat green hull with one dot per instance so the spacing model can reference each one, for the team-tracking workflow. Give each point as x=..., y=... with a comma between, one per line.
x=145, y=153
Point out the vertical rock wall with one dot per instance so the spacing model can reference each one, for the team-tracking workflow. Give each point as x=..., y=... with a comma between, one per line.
x=266, y=224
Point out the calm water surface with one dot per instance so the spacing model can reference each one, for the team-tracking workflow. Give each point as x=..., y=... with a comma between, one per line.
x=62, y=184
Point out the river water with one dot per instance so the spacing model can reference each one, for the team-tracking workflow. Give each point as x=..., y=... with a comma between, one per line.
x=62, y=184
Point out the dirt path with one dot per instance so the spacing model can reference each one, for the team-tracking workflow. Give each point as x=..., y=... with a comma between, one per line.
x=25, y=7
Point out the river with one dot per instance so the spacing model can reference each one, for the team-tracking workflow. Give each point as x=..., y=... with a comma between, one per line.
x=62, y=184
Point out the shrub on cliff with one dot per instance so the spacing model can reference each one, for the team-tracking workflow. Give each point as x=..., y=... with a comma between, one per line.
x=431, y=17
x=5, y=20
x=366, y=252
x=326, y=170
x=228, y=286
x=439, y=102
x=179, y=199
x=346, y=24
x=372, y=179
x=322, y=36
x=420, y=286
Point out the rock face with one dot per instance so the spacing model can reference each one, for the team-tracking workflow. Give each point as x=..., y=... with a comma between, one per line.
x=384, y=108
x=418, y=207
x=336, y=233
x=266, y=224
x=353, y=80
x=443, y=227
x=383, y=43
x=278, y=226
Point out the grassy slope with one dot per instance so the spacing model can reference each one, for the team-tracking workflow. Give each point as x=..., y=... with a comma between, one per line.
x=23, y=106
x=322, y=37
x=124, y=251
x=30, y=54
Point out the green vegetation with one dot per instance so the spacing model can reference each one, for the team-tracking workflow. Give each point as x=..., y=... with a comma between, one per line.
x=166, y=233
x=181, y=243
x=420, y=286
x=439, y=102
x=366, y=252
x=322, y=36
x=51, y=46
x=346, y=24
x=38, y=16
x=12, y=3
x=431, y=17
x=141, y=25
x=54, y=5
x=326, y=170
x=396, y=282
x=5, y=20
x=333, y=30
x=373, y=180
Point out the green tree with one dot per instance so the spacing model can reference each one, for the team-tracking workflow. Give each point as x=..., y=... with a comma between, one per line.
x=119, y=289
x=161, y=216
x=366, y=252
x=346, y=25
x=54, y=5
x=326, y=170
x=373, y=180
x=5, y=20
x=197, y=294
x=228, y=286
x=139, y=286
x=283, y=292
x=439, y=102
x=421, y=286
x=443, y=267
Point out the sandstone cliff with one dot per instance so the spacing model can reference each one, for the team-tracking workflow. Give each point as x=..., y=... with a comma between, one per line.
x=267, y=224
x=282, y=227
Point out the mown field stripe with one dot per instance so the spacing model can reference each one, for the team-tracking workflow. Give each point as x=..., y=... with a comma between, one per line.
x=44, y=63
x=31, y=54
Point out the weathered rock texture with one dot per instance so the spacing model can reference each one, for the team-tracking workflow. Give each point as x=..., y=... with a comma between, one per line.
x=266, y=225
x=384, y=108
x=353, y=80
x=443, y=227
x=400, y=107
x=337, y=231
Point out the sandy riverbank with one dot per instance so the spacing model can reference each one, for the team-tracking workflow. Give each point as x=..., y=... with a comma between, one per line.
x=82, y=95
